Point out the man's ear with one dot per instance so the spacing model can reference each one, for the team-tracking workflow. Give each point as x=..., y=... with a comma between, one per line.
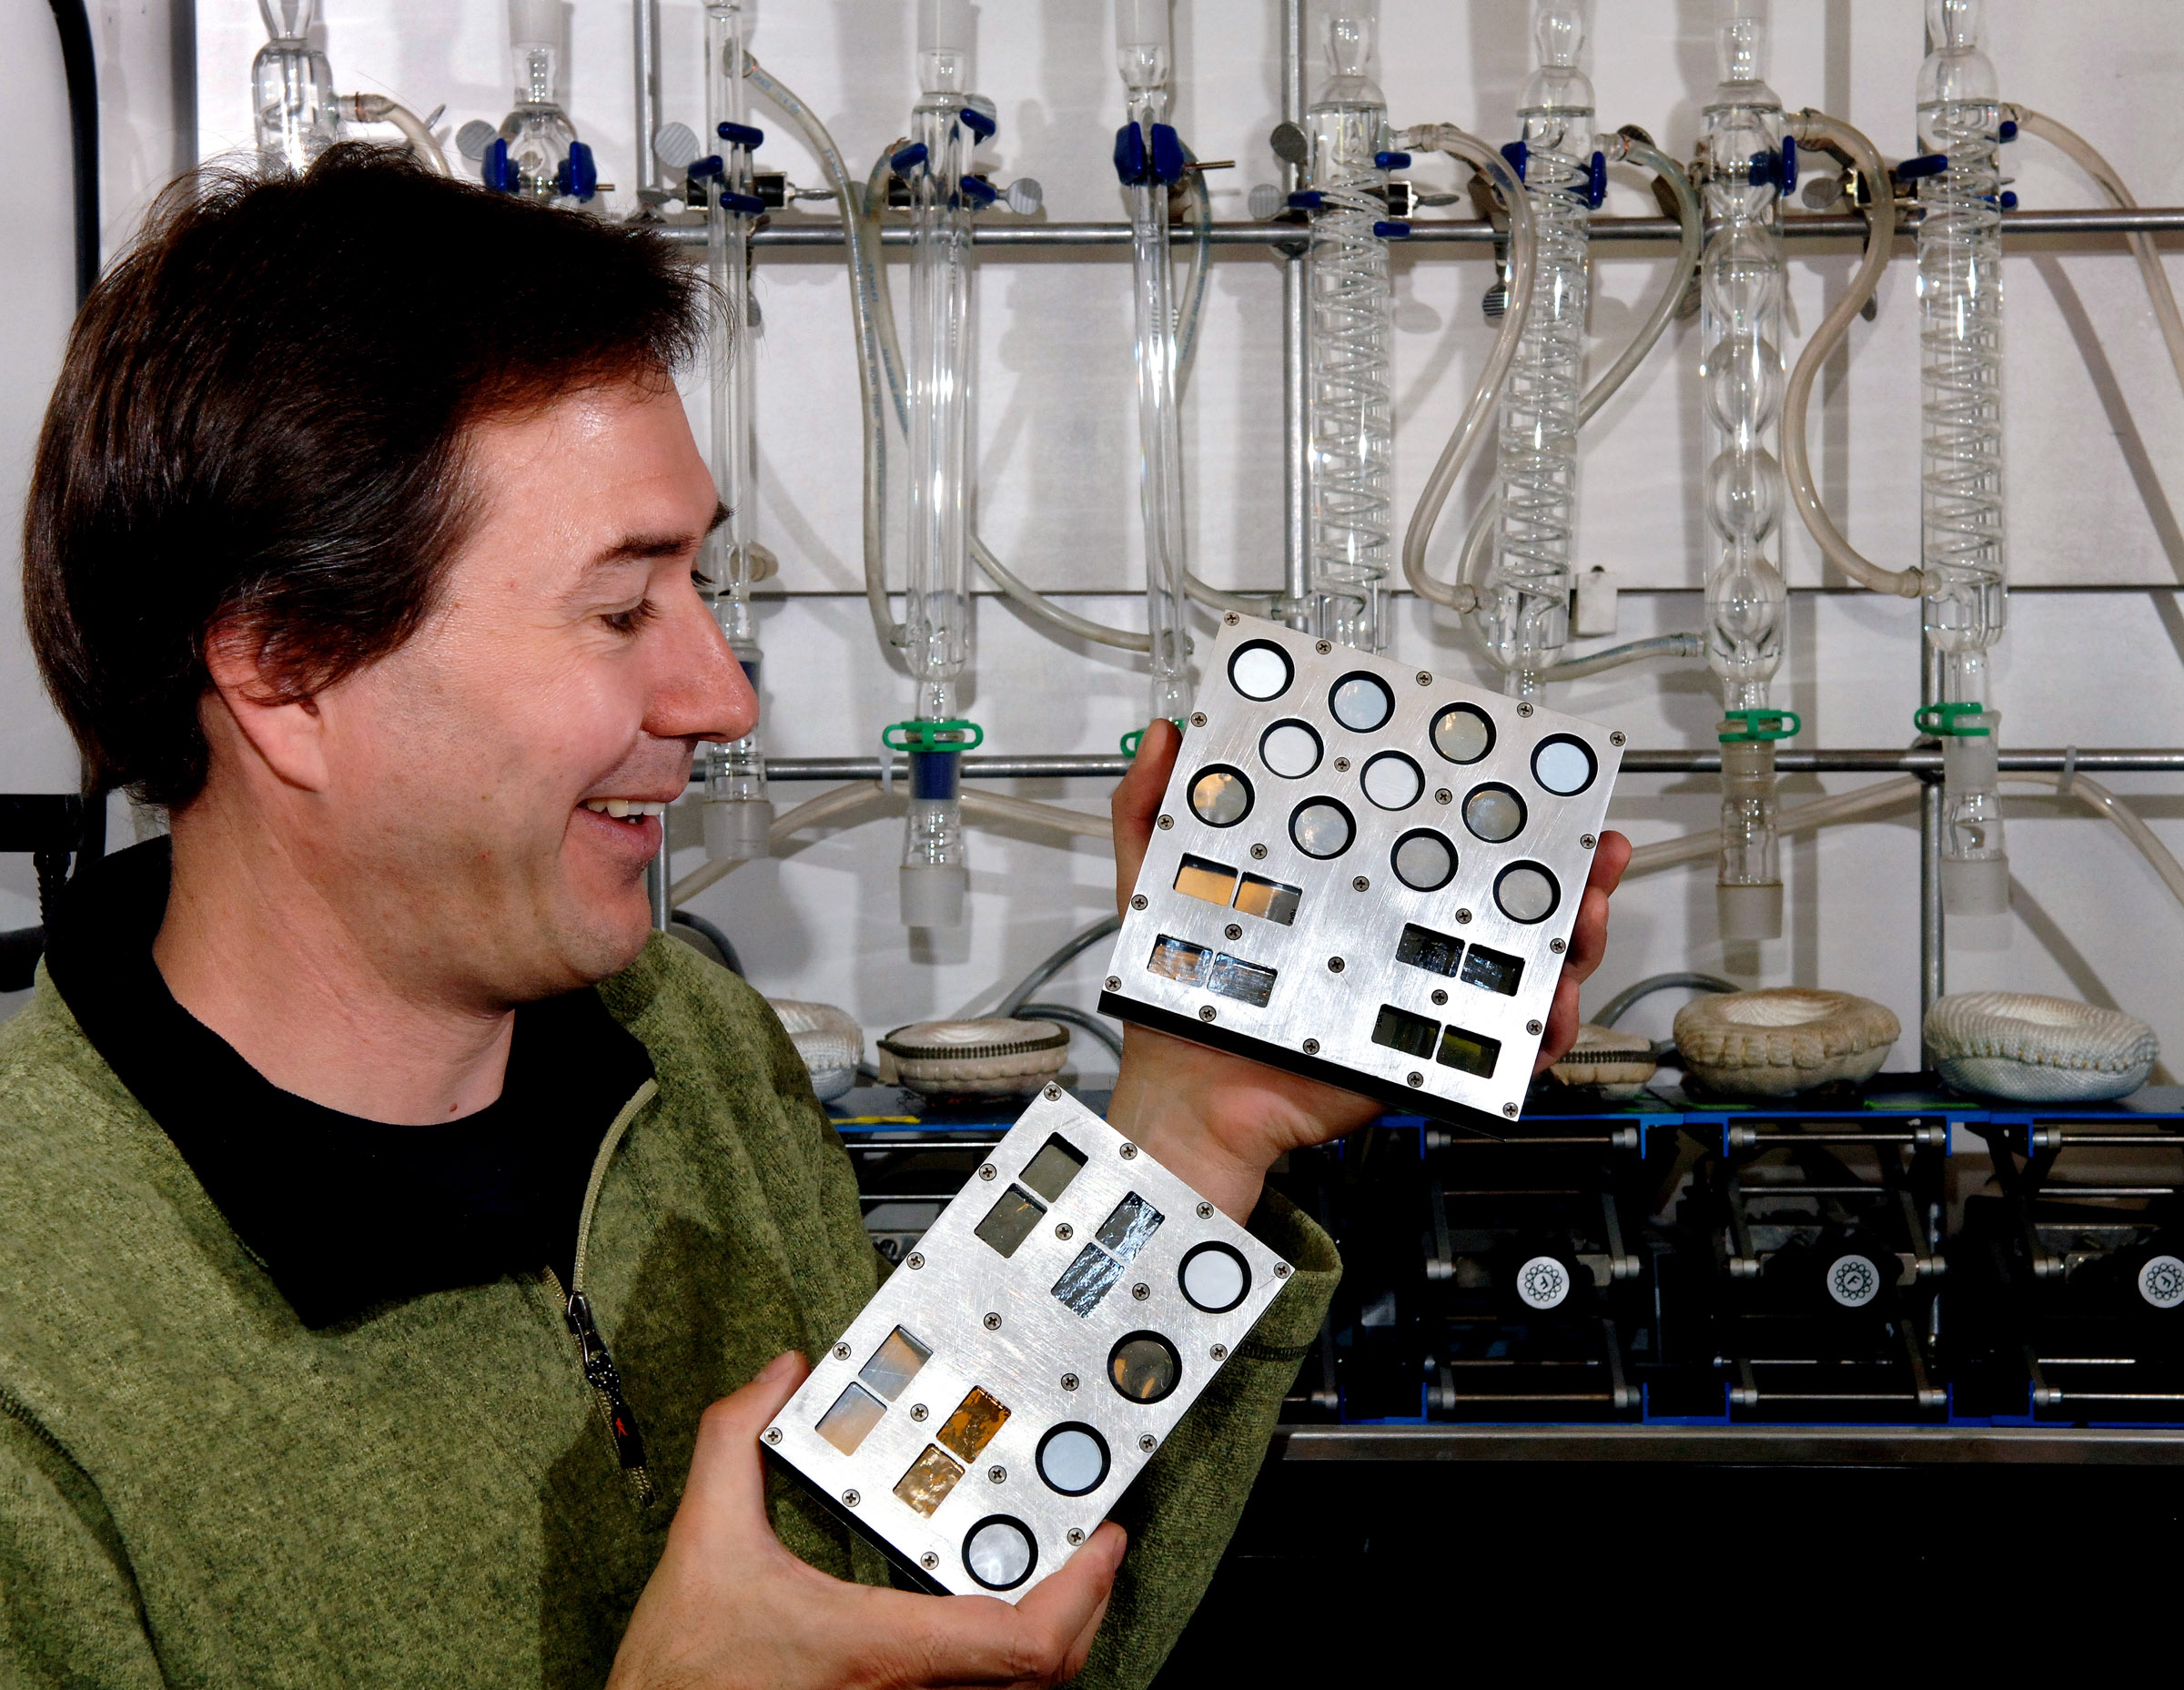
x=273, y=726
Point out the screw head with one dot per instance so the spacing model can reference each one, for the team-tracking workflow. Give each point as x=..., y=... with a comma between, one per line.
x=928, y=1561
x=1129, y=1153
x=1360, y=884
x=1205, y=1211
x=1198, y=718
x=1281, y=1270
x=993, y=1322
x=1141, y=1291
x=1510, y=1110
x=1148, y=1444
x=1322, y=647
x=1415, y=1077
x=1139, y=901
x=1462, y=915
x=1068, y=1381
x=841, y=1353
x=1524, y=710
x=1229, y=620
x=1587, y=841
x=1442, y=794
x=1557, y=945
x=1535, y=1027
x=1616, y=737
x=916, y=1260
x=1065, y=1230
x=986, y=1171
x=1219, y=1353
x=1165, y=821
x=852, y=1498
x=1053, y=1094
x=1075, y=1534
x=1311, y=1046
x=1114, y=982
x=1259, y=852
x=1335, y=964
x=1232, y=931
x=1424, y=678
x=997, y=1474
x=1341, y=765
x=1207, y=1014
x=918, y=1410
x=1440, y=996
x=772, y=1434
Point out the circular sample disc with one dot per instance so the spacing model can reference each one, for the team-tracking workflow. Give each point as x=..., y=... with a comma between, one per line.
x=1853, y=1280
x=1564, y=765
x=1260, y=670
x=1290, y=749
x=1362, y=702
x=2161, y=1281
x=1215, y=1278
x=1073, y=1459
x=1000, y=1552
x=1542, y=1284
x=1494, y=813
x=1526, y=891
x=1220, y=797
x=1392, y=781
x=1322, y=828
x=1144, y=1367
x=1462, y=734
x=1424, y=861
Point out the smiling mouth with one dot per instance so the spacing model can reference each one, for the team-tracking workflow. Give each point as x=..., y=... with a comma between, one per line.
x=625, y=809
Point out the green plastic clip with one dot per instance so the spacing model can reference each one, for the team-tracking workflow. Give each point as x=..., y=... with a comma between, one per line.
x=1759, y=726
x=1947, y=721
x=1135, y=737
x=918, y=737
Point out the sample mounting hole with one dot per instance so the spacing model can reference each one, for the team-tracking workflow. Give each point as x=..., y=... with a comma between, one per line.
x=1462, y=734
x=1220, y=797
x=1000, y=1552
x=1260, y=670
x=1073, y=1459
x=1144, y=1367
x=1290, y=749
x=1322, y=828
x=1564, y=765
x=1362, y=702
x=1424, y=860
x=1494, y=813
x=1392, y=781
x=1215, y=1278
x=1526, y=891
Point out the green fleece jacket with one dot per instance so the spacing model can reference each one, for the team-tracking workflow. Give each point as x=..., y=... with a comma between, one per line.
x=198, y=1489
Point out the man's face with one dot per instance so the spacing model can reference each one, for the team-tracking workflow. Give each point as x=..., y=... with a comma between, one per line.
x=571, y=664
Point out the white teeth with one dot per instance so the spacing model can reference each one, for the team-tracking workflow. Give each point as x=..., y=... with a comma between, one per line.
x=618, y=808
x=624, y=809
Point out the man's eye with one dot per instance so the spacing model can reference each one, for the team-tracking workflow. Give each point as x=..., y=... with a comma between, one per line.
x=632, y=619
x=703, y=582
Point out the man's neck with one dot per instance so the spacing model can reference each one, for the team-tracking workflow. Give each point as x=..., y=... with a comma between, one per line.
x=255, y=951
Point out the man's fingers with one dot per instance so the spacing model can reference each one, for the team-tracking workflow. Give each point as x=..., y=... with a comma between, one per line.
x=1080, y=1647
x=727, y=1485
x=1610, y=858
x=1138, y=799
x=1065, y=1610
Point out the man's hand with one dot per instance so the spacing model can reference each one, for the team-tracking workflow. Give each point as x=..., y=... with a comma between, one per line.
x=728, y=1605
x=1218, y=1120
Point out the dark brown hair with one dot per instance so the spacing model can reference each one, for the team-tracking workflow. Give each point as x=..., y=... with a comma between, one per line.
x=259, y=424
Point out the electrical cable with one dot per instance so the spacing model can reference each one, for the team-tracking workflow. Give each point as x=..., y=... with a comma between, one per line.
x=1618, y=1006
x=712, y=935
x=1072, y=948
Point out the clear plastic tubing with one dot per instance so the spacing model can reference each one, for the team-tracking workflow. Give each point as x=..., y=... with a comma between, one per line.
x=1960, y=362
x=738, y=814
x=292, y=91
x=1149, y=160
x=1524, y=604
x=1350, y=403
x=1747, y=163
x=537, y=154
x=945, y=127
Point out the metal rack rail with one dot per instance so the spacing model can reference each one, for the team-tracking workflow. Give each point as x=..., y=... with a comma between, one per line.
x=1741, y=1445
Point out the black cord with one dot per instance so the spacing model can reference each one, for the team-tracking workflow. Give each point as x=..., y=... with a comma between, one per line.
x=82, y=69
x=714, y=937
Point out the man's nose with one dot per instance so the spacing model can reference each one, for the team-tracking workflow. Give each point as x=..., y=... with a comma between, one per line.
x=700, y=691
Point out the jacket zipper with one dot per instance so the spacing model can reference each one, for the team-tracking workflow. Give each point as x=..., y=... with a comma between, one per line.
x=596, y=1360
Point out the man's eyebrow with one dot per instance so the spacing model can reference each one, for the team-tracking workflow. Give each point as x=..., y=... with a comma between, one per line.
x=641, y=548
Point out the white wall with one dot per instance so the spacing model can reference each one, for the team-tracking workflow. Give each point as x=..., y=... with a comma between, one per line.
x=2095, y=421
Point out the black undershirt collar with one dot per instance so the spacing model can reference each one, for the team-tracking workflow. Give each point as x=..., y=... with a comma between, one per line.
x=345, y=1213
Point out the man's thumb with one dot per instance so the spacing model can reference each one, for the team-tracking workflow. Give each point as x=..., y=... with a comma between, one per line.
x=726, y=1476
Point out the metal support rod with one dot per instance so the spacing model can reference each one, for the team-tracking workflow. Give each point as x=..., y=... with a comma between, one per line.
x=1933, y=929
x=657, y=879
x=1295, y=307
x=644, y=41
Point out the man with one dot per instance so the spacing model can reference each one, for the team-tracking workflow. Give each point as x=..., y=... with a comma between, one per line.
x=384, y=1205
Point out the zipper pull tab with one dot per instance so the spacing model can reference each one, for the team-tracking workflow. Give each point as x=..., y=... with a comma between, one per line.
x=601, y=1375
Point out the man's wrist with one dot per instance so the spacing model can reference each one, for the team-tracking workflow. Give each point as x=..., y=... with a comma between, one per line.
x=1183, y=1143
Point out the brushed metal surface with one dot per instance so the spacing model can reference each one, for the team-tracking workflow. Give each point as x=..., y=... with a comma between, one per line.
x=1336, y=965
x=992, y=1323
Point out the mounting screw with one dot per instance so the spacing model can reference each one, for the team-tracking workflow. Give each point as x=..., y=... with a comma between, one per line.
x=1139, y=901
x=1462, y=915
x=993, y=1322
x=1341, y=765
x=1219, y=1353
x=916, y=1260
x=852, y=1498
x=1259, y=852
x=1424, y=678
x=986, y=1171
x=1232, y=932
x=1524, y=710
x=1311, y=1046
x=1165, y=821
x=928, y=1561
x=1129, y=1153
x=1281, y=1270
x=1415, y=1077
x=1510, y=1110
x=1360, y=884
x=1587, y=841
x=1322, y=647
x=1148, y=1444
x=1068, y=1381
x=841, y=1353
x=1207, y=1014
x=1053, y=1094
x=772, y=1434
x=1335, y=964
x=1616, y=737
x=997, y=1474
x=1198, y=718
x=1065, y=1230
x=1535, y=1027
x=1141, y=1291
x=1114, y=982
x=1442, y=794
x=918, y=1410
x=1205, y=1211
x=1440, y=996
x=1228, y=621
x=1076, y=1533
x=1557, y=945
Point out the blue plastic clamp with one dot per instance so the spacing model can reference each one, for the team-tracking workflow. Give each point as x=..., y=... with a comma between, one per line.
x=578, y=176
x=1789, y=164
x=1168, y=153
x=1309, y=200
x=496, y=169
x=983, y=192
x=908, y=159
x=1391, y=230
x=2009, y=200
x=1516, y=152
x=1391, y=161
x=1926, y=164
x=1597, y=181
x=750, y=205
x=977, y=122
x=1129, y=154
x=2009, y=131
x=743, y=135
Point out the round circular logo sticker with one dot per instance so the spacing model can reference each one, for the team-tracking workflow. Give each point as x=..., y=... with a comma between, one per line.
x=1853, y=1281
x=2161, y=1281
x=1542, y=1284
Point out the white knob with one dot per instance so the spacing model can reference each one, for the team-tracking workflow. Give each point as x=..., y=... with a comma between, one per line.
x=1025, y=195
x=674, y=144
x=1266, y=201
x=474, y=138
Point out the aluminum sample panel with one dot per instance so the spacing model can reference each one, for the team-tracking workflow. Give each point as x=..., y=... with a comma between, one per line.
x=1428, y=844
x=997, y=1397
